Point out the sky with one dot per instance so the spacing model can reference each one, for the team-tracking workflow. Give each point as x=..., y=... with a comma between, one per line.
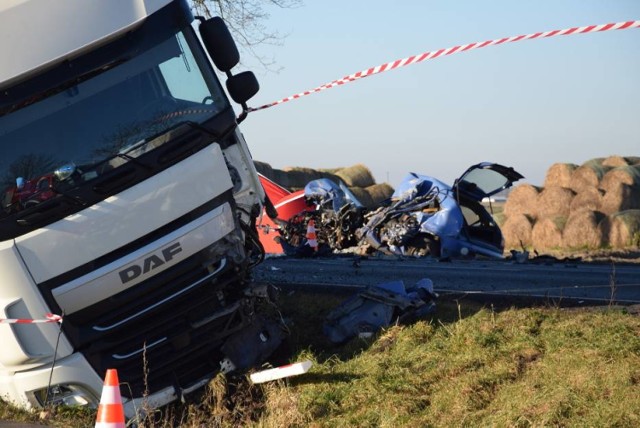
x=526, y=104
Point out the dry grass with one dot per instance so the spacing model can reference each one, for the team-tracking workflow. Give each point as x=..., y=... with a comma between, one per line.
x=531, y=367
x=465, y=366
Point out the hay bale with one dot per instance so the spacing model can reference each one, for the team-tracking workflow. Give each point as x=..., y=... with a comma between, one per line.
x=587, y=175
x=522, y=200
x=547, y=233
x=622, y=229
x=516, y=231
x=633, y=160
x=582, y=230
x=594, y=161
x=264, y=169
x=588, y=199
x=363, y=196
x=554, y=202
x=379, y=192
x=614, y=161
x=356, y=176
x=298, y=177
x=620, y=198
x=280, y=177
x=559, y=174
x=626, y=174
x=331, y=171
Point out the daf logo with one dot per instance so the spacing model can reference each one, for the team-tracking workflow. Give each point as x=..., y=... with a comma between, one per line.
x=148, y=264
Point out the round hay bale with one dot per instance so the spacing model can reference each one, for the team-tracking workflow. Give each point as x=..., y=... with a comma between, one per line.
x=264, y=169
x=627, y=174
x=588, y=199
x=554, y=202
x=299, y=177
x=280, y=177
x=633, y=160
x=622, y=229
x=620, y=198
x=516, y=231
x=559, y=174
x=587, y=175
x=547, y=233
x=614, y=161
x=379, y=192
x=363, y=196
x=356, y=176
x=331, y=171
x=522, y=200
x=594, y=161
x=582, y=230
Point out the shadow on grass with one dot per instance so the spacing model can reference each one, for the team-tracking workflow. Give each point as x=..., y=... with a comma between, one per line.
x=324, y=378
x=305, y=312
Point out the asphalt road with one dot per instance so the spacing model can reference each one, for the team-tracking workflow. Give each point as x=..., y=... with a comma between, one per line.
x=577, y=282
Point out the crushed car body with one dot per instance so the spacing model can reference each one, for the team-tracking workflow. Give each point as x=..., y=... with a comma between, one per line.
x=428, y=217
x=376, y=307
x=424, y=216
x=334, y=210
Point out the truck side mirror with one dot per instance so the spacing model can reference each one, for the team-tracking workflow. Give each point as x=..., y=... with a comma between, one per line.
x=243, y=86
x=219, y=43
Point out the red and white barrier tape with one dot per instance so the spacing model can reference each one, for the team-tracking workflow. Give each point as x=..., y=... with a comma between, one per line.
x=48, y=318
x=455, y=49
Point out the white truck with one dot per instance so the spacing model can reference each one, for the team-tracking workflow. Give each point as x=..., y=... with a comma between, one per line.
x=129, y=203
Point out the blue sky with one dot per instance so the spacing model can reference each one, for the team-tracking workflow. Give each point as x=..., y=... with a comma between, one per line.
x=526, y=104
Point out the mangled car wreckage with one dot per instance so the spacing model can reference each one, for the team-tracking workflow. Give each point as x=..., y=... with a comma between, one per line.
x=427, y=216
x=424, y=216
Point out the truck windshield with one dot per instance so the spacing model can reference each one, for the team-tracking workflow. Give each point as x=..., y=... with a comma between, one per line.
x=100, y=120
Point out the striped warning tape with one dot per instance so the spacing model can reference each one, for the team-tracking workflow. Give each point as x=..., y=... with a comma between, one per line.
x=455, y=49
x=48, y=318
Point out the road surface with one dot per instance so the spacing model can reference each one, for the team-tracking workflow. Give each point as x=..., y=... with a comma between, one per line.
x=578, y=282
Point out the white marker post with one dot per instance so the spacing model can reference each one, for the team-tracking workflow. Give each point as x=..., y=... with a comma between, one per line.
x=281, y=372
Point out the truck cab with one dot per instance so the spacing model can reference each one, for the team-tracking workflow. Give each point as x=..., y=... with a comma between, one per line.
x=130, y=203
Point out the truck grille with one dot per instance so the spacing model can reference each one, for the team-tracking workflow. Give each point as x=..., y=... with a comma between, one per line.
x=171, y=325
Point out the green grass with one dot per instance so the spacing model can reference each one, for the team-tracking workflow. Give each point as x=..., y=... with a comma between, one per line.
x=518, y=367
x=468, y=365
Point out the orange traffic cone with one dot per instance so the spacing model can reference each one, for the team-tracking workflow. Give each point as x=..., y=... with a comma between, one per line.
x=110, y=411
x=312, y=239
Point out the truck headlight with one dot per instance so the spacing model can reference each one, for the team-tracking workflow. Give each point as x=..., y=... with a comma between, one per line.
x=65, y=394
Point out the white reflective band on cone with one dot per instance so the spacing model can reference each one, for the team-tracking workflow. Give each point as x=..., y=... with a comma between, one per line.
x=110, y=395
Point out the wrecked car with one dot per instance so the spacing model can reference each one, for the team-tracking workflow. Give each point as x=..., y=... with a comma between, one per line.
x=335, y=211
x=428, y=217
x=377, y=307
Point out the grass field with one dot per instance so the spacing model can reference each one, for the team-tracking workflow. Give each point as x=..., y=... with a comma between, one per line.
x=467, y=365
